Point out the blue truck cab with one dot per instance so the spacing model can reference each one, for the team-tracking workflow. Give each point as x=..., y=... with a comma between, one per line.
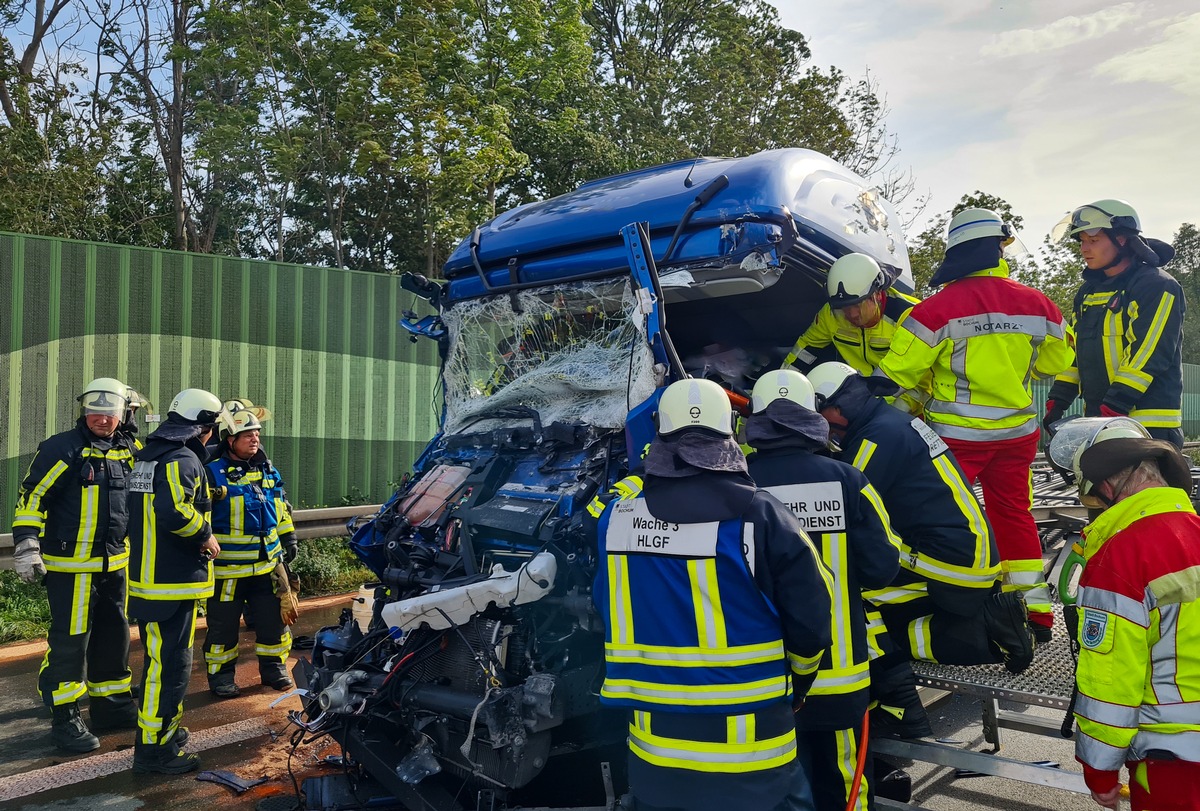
x=558, y=323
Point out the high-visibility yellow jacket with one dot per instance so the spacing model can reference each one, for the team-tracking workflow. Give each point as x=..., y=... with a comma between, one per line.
x=859, y=347
x=1139, y=632
x=980, y=340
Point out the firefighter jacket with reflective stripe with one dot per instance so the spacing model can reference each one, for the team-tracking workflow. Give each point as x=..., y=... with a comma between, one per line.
x=169, y=504
x=980, y=339
x=1128, y=346
x=846, y=519
x=73, y=500
x=708, y=623
x=690, y=628
x=1139, y=632
x=252, y=516
x=943, y=531
x=861, y=348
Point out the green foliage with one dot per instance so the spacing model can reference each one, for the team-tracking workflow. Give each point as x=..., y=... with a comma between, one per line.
x=24, y=611
x=928, y=250
x=1186, y=268
x=327, y=566
x=374, y=135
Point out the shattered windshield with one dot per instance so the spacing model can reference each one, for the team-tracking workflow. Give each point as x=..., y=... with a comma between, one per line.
x=574, y=353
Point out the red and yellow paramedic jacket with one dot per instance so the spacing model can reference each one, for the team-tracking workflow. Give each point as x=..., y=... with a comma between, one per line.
x=980, y=340
x=1139, y=634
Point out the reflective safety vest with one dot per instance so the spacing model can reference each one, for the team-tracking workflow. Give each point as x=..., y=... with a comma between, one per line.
x=168, y=521
x=1139, y=632
x=1128, y=343
x=689, y=634
x=73, y=501
x=687, y=628
x=980, y=340
x=249, y=520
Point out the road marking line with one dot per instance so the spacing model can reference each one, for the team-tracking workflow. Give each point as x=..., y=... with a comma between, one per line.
x=94, y=767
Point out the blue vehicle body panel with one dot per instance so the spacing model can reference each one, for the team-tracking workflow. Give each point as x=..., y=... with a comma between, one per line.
x=775, y=202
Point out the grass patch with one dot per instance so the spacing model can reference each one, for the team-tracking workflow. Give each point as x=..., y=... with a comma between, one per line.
x=24, y=611
x=324, y=566
x=327, y=566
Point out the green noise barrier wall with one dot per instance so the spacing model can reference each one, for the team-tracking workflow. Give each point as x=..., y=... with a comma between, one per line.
x=352, y=398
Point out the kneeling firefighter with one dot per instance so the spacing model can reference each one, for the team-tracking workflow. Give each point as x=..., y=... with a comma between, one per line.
x=716, y=608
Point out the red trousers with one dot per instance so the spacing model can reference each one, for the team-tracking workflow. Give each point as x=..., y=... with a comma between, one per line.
x=1164, y=785
x=1002, y=468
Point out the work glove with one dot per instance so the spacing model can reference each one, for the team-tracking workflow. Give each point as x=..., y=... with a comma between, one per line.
x=1054, y=412
x=1105, y=411
x=290, y=547
x=27, y=560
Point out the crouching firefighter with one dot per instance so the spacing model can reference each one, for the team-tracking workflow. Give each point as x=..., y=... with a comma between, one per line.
x=253, y=525
x=716, y=609
x=70, y=526
x=945, y=605
x=846, y=519
x=171, y=552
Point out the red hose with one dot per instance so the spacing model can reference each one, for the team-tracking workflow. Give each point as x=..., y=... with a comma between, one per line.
x=862, y=761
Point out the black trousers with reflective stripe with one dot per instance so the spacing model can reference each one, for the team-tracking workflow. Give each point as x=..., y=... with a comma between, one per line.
x=87, y=627
x=257, y=594
x=829, y=759
x=957, y=631
x=168, y=668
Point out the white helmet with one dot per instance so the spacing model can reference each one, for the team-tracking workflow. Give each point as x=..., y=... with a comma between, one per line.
x=853, y=278
x=976, y=223
x=1093, y=217
x=695, y=404
x=782, y=384
x=828, y=379
x=200, y=407
x=243, y=420
x=106, y=396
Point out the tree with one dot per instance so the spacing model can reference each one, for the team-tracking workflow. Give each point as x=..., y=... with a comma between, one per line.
x=1186, y=268
x=927, y=252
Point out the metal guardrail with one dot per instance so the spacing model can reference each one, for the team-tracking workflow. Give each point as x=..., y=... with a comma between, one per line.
x=325, y=522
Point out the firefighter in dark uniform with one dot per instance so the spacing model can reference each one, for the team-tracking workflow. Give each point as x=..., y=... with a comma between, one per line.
x=716, y=609
x=70, y=526
x=1128, y=320
x=845, y=517
x=253, y=525
x=946, y=601
x=171, y=548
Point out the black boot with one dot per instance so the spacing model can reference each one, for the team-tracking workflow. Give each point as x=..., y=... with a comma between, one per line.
x=69, y=733
x=165, y=758
x=1007, y=624
x=275, y=676
x=113, y=712
x=899, y=713
x=223, y=686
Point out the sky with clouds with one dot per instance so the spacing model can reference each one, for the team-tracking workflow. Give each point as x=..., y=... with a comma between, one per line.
x=1047, y=103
